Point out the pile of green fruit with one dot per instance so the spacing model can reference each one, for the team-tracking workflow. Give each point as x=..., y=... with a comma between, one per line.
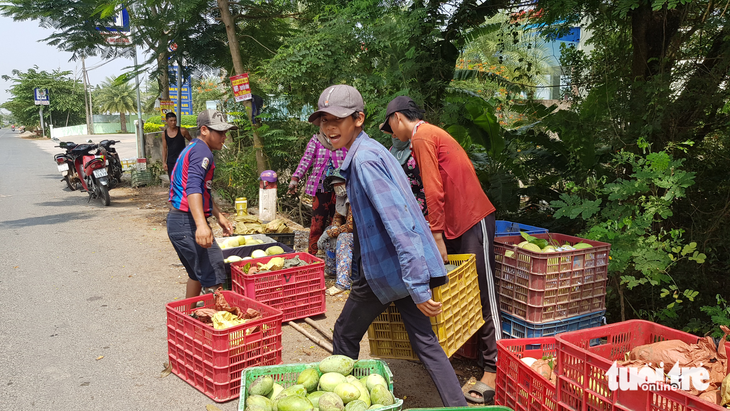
x=540, y=245
x=273, y=250
x=329, y=388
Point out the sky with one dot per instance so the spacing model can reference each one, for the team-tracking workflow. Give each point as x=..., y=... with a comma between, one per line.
x=21, y=49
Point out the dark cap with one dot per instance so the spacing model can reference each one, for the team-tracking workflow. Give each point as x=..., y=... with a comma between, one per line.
x=213, y=119
x=339, y=100
x=400, y=103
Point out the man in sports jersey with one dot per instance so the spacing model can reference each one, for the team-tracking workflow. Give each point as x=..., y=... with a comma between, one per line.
x=192, y=204
x=174, y=139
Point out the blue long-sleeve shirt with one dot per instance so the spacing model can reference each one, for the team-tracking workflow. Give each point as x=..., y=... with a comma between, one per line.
x=399, y=254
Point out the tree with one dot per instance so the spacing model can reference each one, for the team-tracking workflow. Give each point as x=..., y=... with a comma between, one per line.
x=649, y=105
x=65, y=93
x=117, y=97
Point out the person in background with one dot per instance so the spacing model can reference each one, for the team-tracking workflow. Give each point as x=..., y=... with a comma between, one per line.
x=402, y=152
x=192, y=204
x=461, y=219
x=337, y=239
x=323, y=161
x=395, y=258
x=173, y=143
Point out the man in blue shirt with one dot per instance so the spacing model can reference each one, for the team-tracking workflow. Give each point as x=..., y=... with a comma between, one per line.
x=187, y=225
x=395, y=258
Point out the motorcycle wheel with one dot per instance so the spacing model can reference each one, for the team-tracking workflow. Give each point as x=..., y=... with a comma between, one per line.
x=69, y=183
x=104, y=195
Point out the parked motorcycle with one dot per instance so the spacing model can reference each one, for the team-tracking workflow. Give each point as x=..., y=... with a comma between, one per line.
x=114, y=164
x=92, y=171
x=65, y=163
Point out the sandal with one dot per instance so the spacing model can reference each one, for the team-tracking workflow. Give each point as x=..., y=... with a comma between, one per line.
x=482, y=389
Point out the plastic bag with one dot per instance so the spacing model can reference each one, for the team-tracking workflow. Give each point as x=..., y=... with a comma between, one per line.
x=668, y=352
x=224, y=319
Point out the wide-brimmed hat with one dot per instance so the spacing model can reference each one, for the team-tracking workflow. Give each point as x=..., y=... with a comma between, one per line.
x=213, y=119
x=339, y=100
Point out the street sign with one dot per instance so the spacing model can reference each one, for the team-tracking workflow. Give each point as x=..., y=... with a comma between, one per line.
x=186, y=106
x=117, y=32
x=241, y=88
x=40, y=95
x=166, y=106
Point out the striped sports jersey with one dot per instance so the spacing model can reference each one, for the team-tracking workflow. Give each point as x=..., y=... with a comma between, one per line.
x=193, y=174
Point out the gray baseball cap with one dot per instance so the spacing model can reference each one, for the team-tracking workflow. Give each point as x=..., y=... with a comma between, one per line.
x=213, y=119
x=339, y=100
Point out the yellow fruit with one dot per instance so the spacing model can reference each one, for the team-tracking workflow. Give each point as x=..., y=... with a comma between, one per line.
x=532, y=247
x=581, y=246
x=509, y=254
x=522, y=244
x=232, y=242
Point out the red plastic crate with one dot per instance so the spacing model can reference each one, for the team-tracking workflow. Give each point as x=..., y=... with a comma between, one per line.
x=585, y=356
x=543, y=287
x=298, y=292
x=212, y=360
x=519, y=386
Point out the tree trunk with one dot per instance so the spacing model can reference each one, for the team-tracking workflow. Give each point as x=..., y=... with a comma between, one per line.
x=223, y=5
x=123, y=120
x=162, y=65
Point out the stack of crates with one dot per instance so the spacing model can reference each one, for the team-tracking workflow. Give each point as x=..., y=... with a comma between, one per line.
x=544, y=294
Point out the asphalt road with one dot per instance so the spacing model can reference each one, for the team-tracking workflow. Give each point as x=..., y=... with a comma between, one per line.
x=83, y=289
x=83, y=324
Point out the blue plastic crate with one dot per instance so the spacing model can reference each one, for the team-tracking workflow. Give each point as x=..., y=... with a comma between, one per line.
x=507, y=228
x=513, y=327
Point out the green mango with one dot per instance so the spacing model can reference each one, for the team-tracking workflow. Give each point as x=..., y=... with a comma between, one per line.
x=337, y=363
x=309, y=378
x=261, y=386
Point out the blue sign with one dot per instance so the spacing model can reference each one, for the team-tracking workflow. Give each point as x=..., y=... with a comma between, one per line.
x=119, y=25
x=186, y=104
x=40, y=96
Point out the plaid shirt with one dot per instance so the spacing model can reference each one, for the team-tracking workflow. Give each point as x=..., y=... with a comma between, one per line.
x=321, y=156
x=399, y=254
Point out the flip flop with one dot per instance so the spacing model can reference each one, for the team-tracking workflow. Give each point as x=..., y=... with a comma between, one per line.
x=482, y=389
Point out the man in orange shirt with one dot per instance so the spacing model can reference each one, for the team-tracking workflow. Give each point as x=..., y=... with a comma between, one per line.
x=460, y=216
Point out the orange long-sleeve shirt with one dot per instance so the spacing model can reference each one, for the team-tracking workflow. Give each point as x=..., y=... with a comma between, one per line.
x=454, y=197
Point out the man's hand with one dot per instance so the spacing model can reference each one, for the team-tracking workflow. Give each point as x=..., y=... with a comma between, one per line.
x=164, y=165
x=439, y=238
x=293, y=186
x=225, y=225
x=204, y=236
x=430, y=308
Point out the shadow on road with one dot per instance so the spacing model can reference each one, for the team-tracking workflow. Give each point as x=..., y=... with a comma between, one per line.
x=43, y=220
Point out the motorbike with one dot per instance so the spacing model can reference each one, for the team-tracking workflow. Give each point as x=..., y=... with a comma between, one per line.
x=114, y=164
x=65, y=163
x=92, y=172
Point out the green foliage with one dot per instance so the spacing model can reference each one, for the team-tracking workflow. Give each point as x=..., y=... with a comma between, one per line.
x=719, y=314
x=117, y=97
x=66, y=97
x=626, y=212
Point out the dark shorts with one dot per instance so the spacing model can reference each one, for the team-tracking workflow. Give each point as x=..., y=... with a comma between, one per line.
x=202, y=264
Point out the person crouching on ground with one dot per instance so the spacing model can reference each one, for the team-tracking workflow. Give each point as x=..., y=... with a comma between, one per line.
x=192, y=204
x=395, y=258
x=337, y=238
x=461, y=219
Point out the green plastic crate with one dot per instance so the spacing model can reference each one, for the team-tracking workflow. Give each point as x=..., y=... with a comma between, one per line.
x=286, y=376
x=141, y=178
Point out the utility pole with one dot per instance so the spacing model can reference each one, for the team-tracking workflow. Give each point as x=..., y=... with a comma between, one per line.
x=140, y=125
x=89, y=110
x=86, y=99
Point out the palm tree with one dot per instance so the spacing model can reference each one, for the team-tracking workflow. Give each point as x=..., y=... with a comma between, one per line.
x=117, y=97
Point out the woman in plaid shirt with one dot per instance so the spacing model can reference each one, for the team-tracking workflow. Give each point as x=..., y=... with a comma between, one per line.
x=321, y=159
